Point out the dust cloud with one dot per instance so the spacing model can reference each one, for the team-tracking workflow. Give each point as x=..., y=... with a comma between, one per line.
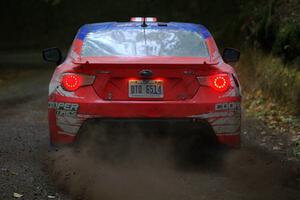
x=130, y=164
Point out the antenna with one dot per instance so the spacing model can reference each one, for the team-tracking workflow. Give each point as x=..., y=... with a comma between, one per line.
x=144, y=24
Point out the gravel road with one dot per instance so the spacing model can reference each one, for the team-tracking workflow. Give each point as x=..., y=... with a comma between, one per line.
x=27, y=168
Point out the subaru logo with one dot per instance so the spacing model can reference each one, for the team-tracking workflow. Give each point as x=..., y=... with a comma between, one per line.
x=146, y=73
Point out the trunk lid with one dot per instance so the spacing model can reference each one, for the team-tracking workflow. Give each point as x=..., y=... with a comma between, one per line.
x=161, y=82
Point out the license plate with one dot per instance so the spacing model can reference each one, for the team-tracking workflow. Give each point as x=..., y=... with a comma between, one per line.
x=146, y=89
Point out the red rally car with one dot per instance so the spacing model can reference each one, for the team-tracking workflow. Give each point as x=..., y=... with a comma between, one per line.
x=144, y=71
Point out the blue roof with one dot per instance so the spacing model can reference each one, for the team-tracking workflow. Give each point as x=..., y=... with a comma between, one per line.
x=84, y=30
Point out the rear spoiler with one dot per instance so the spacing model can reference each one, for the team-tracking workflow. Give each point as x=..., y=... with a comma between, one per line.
x=143, y=60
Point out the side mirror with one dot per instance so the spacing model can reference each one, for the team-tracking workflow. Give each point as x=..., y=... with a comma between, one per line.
x=52, y=55
x=231, y=55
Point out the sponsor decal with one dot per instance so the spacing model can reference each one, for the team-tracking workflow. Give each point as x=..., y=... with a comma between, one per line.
x=71, y=125
x=226, y=118
x=64, y=109
x=233, y=106
x=213, y=115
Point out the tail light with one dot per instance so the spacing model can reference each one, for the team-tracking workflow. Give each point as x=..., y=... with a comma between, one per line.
x=218, y=82
x=72, y=82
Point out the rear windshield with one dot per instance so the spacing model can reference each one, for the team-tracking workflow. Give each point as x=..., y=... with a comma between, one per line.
x=148, y=42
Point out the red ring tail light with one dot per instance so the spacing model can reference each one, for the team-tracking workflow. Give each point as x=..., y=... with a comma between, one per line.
x=220, y=83
x=71, y=81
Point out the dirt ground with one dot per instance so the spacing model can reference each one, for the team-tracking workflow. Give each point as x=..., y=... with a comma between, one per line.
x=29, y=169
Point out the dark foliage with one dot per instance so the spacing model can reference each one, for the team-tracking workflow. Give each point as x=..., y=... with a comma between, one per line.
x=36, y=23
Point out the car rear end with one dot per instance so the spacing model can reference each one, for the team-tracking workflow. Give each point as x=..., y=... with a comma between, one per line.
x=168, y=76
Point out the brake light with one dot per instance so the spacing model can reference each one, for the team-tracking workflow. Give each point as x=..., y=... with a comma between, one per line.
x=219, y=83
x=72, y=82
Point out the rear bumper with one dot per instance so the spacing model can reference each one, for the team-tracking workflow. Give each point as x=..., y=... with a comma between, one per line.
x=68, y=112
x=223, y=118
x=158, y=127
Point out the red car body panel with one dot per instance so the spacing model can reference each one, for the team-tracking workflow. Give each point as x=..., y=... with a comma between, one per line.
x=185, y=96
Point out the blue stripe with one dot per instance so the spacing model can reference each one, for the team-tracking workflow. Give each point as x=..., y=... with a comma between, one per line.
x=206, y=34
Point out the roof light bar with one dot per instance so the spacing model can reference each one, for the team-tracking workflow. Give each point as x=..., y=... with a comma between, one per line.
x=151, y=19
x=143, y=19
x=137, y=19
